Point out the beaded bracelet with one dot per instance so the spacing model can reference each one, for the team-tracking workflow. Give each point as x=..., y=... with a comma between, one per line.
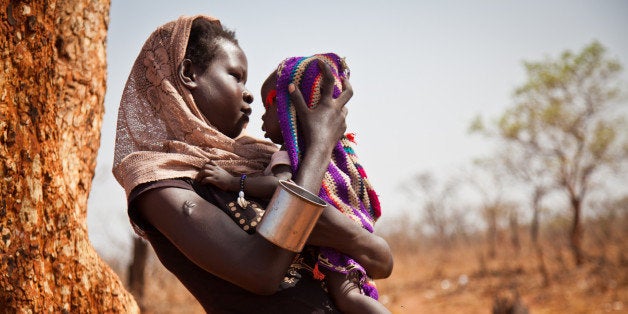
x=241, y=201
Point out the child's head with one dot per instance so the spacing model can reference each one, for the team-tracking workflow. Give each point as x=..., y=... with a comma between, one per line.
x=305, y=73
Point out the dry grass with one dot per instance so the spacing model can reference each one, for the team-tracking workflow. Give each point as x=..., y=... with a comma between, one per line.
x=463, y=279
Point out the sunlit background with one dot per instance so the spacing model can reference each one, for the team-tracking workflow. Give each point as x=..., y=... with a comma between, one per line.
x=421, y=71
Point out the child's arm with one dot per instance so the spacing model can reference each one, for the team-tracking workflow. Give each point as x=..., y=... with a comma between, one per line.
x=259, y=187
x=214, y=174
x=264, y=186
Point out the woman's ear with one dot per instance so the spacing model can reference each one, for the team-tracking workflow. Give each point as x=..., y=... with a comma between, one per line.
x=186, y=74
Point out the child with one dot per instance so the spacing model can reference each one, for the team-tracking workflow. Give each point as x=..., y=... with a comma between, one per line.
x=345, y=185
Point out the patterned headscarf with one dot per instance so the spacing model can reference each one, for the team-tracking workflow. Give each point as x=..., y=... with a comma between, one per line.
x=161, y=133
x=345, y=184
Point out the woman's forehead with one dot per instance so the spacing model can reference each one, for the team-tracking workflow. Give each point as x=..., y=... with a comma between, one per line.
x=230, y=53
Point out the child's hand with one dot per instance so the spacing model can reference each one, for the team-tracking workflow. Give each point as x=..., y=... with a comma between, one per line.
x=214, y=174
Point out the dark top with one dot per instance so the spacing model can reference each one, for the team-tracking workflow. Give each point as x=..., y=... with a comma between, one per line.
x=298, y=293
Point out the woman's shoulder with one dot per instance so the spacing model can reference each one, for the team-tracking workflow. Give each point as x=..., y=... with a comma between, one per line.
x=209, y=192
x=150, y=189
x=181, y=183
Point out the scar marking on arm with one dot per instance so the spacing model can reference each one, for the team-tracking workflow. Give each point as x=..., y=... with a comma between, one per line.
x=188, y=207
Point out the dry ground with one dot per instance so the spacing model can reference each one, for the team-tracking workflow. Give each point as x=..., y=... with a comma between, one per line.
x=462, y=279
x=455, y=282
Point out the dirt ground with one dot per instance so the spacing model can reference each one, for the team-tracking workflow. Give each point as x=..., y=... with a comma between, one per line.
x=464, y=279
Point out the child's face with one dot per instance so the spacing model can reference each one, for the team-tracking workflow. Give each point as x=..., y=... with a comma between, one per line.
x=270, y=118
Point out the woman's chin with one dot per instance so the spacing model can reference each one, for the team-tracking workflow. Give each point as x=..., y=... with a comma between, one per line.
x=242, y=124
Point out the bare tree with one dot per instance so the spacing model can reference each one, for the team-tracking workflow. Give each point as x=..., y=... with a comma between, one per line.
x=610, y=224
x=53, y=87
x=563, y=116
x=519, y=163
x=488, y=181
x=436, y=204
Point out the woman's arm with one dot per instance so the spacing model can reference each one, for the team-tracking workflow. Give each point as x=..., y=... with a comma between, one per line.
x=334, y=229
x=209, y=238
x=337, y=231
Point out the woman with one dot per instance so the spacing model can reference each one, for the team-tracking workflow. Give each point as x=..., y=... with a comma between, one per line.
x=185, y=104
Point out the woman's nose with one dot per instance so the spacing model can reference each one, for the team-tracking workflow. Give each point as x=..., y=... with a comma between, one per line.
x=247, y=97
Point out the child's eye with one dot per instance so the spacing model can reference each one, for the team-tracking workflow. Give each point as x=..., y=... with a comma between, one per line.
x=237, y=76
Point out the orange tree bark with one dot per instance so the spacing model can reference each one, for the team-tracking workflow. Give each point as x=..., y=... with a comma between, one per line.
x=52, y=87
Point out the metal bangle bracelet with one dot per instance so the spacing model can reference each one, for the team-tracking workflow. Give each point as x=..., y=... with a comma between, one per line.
x=290, y=216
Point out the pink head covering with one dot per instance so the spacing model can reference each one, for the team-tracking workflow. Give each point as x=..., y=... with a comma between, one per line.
x=161, y=134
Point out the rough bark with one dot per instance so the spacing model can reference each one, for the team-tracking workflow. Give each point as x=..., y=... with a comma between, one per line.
x=52, y=87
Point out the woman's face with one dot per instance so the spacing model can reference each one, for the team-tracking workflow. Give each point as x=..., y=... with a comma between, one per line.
x=220, y=93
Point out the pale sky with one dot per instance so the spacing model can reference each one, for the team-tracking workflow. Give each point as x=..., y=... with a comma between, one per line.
x=420, y=70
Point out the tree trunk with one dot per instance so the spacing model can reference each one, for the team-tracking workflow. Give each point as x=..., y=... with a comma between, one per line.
x=536, y=211
x=491, y=231
x=514, y=232
x=541, y=264
x=137, y=269
x=534, y=236
x=52, y=88
x=576, y=231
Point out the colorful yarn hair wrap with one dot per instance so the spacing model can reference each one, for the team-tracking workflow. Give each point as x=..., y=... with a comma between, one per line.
x=345, y=184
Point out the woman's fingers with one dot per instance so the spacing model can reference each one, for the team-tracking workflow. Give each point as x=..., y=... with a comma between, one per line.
x=297, y=100
x=327, y=84
x=347, y=92
x=327, y=89
x=326, y=122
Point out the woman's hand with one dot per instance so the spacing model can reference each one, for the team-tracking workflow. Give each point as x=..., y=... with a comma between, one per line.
x=321, y=127
x=324, y=124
